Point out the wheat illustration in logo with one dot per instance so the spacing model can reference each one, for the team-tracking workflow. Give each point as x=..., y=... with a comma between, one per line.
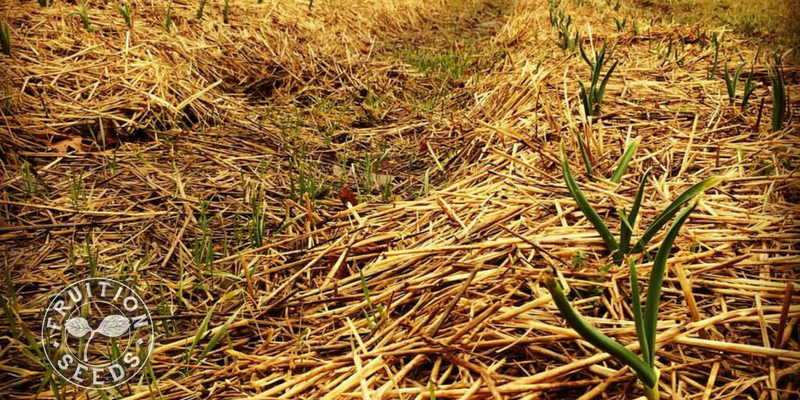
x=112, y=326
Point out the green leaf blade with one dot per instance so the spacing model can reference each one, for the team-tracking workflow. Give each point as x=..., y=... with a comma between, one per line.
x=597, y=338
x=625, y=160
x=672, y=209
x=585, y=207
x=627, y=228
x=657, y=278
x=637, y=313
x=585, y=155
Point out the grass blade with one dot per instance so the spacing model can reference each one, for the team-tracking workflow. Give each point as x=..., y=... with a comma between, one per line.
x=597, y=338
x=672, y=209
x=585, y=207
x=217, y=337
x=203, y=328
x=656, y=279
x=626, y=158
x=637, y=313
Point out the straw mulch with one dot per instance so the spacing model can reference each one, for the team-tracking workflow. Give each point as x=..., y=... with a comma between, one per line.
x=218, y=115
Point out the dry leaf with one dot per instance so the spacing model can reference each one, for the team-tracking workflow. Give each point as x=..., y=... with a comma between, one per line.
x=347, y=196
x=74, y=142
x=382, y=179
x=423, y=146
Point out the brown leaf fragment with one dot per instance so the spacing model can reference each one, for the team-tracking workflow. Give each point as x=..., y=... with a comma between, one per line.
x=346, y=195
x=74, y=142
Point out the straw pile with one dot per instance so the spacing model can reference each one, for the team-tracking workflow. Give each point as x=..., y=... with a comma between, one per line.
x=114, y=141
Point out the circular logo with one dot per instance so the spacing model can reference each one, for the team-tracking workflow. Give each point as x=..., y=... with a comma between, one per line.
x=97, y=333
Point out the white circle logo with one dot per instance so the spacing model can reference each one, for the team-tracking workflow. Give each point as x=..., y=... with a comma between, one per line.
x=97, y=333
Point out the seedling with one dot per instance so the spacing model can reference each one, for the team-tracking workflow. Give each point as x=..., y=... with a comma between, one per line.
x=125, y=11
x=620, y=249
x=225, y=11
x=778, y=94
x=593, y=98
x=731, y=81
x=5, y=39
x=646, y=325
x=84, y=14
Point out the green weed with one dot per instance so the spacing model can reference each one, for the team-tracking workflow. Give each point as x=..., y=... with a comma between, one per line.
x=76, y=193
x=446, y=65
x=307, y=181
